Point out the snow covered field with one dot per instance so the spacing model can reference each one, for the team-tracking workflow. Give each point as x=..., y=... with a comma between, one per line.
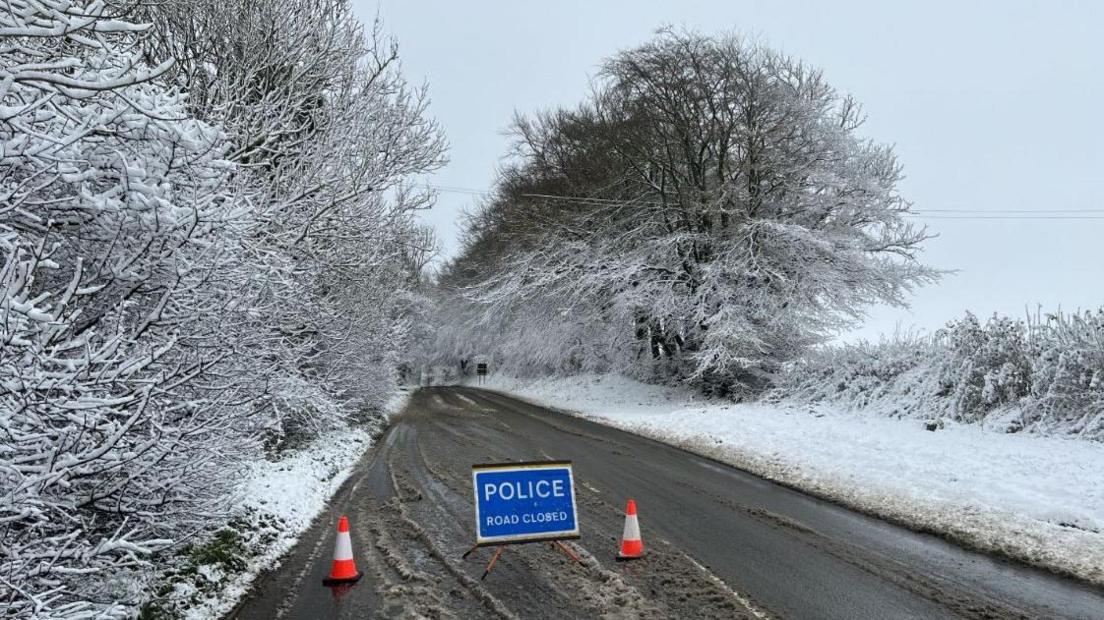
x=1037, y=499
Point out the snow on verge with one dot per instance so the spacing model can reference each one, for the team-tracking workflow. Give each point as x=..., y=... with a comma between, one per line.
x=1036, y=499
x=290, y=492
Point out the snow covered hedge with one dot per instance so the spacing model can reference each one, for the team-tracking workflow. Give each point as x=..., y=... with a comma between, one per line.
x=186, y=270
x=1044, y=375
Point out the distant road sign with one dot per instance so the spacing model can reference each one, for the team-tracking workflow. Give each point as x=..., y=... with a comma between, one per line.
x=481, y=369
x=524, y=502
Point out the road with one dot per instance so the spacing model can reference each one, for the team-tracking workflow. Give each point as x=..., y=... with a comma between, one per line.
x=722, y=543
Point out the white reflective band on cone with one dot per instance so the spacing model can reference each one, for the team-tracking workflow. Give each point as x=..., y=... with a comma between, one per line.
x=632, y=528
x=343, y=550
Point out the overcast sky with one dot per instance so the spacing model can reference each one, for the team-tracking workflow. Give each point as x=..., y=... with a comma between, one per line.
x=991, y=105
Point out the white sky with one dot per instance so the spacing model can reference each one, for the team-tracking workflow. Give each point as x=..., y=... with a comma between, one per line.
x=991, y=105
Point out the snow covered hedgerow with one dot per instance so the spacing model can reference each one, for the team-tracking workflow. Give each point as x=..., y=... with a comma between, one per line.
x=895, y=377
x=1045, y=375
x=985, y=367
x=1067, y=381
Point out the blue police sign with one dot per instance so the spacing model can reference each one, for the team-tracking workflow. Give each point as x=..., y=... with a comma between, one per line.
x=524, y=502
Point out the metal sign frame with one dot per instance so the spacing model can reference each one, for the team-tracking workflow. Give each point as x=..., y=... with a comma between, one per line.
x=482, y=541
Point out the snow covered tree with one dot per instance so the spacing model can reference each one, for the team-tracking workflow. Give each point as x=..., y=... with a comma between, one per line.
x=711, y=210
x=115, y=214
x=194, y=248
x=327, y=135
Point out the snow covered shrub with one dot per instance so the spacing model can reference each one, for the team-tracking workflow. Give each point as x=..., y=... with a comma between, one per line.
x=894, y=377
x=115, y=214
x=1044, y=375
x=1067, y=391
x=986, y=366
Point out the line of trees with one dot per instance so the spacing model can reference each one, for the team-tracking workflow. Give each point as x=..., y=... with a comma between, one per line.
x=207, y=238
x=708, y=212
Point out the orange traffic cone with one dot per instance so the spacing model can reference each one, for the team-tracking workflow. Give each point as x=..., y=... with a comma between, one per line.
x=344, y=566
x=631, y=545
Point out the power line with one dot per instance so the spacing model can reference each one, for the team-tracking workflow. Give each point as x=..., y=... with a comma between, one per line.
x=1008, y=210
x=458, y=190
x=928, y=214
x=924, y=216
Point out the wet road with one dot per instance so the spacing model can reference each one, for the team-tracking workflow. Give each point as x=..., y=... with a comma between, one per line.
x=721, y=542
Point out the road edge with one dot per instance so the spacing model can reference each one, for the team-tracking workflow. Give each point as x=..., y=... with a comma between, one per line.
x=234, y=592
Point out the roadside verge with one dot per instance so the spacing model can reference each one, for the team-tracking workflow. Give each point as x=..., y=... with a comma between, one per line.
x=277, y=502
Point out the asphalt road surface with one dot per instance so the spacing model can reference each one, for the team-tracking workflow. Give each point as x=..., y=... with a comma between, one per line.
x=722, y=543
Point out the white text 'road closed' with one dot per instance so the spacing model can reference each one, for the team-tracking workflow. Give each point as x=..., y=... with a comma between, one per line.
x=518, y=502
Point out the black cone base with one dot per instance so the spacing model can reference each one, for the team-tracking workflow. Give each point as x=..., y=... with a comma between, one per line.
x=330, y=581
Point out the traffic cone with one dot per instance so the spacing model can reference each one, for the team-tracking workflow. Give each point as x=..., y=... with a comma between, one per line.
x=631, y=545
x=344, y=568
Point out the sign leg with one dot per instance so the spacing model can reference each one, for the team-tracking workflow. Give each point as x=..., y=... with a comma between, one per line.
x=567, y=551
x=490, y=567
x=469, y=552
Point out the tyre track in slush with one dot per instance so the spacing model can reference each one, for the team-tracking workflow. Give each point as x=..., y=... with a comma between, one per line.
x=412, y=517
x=612, y=597
x=672, y=582
x=721, y=542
